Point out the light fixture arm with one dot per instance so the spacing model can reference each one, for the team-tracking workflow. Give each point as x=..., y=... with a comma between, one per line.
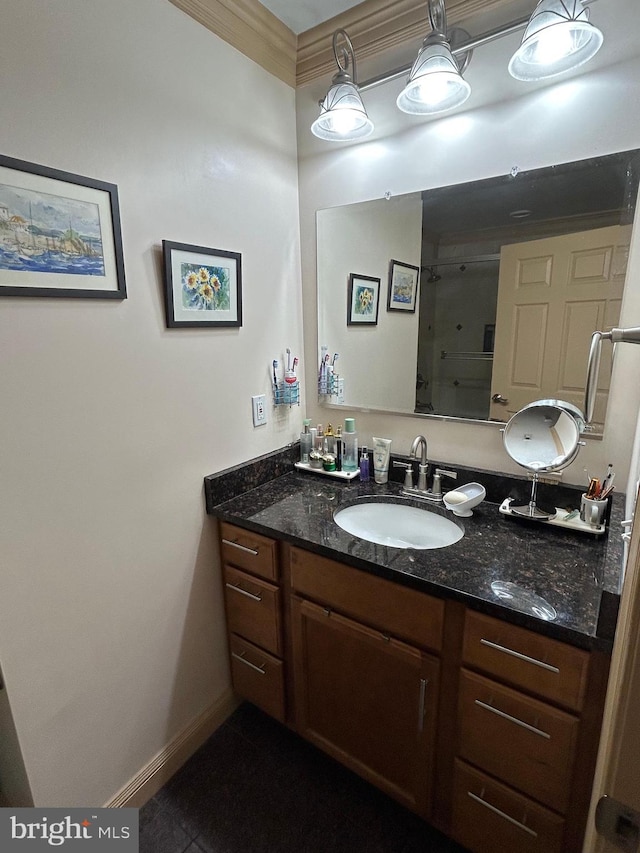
x=438, y=16
x=345, y=57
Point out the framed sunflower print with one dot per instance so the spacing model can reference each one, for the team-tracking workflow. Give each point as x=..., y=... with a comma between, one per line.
x=203, y=287
x=363, y=299
x=403, y=286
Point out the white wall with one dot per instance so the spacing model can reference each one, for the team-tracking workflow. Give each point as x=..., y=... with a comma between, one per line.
x=111, y=618
x=504, y=123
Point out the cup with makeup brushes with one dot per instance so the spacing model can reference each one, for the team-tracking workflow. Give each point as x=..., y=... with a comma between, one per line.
x=592, y=511
x=594, y=502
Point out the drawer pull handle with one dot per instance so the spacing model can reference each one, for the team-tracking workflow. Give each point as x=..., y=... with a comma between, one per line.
x=241, y=547
x=421, y=703
x=502, y=814
x=512, y=719
x=519, y=655
x=242, y=659
x=244, y=592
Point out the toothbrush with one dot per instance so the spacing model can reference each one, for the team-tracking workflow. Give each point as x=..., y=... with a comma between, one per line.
x=608, y=478
x=608, y=488
x=275, y=378
x=322, y=357
x=288, y=359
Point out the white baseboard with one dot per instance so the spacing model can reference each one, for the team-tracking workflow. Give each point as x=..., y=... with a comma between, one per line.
x=171, y=757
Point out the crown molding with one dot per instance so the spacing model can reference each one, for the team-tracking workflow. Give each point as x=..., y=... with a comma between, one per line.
x=375, y=26
x=252, y=29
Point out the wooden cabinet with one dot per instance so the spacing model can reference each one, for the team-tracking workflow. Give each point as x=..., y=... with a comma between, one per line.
x=254, y=618
x=394, y=609
x=368, y=699
x=486, y=728
x=541, y=666
x=524, y=750
x=492, y=818
x=524, y=742
x=250, y=551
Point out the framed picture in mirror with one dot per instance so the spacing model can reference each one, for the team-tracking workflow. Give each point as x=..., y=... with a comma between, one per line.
x=403, y=286
x=363, y=299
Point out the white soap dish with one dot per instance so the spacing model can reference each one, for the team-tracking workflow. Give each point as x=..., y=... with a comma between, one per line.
x=463, y=499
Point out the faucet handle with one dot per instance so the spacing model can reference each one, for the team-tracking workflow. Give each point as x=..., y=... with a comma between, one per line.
x=442, y=473
x=438, y=474
x=408, y=474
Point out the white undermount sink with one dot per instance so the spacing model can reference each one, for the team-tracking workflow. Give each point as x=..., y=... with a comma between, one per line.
x=398, y=525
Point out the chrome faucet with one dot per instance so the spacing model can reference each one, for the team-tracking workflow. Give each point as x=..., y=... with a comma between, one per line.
x=424, y=465
x=422, y=490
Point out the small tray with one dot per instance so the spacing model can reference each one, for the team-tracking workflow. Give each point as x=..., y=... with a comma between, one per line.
x=337, y=475
x=575, y=523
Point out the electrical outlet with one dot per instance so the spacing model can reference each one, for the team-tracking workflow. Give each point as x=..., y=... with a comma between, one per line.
x=259, y=407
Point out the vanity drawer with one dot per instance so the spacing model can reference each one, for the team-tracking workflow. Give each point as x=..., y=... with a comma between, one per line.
x=250, y=551
x=546, y=667
x=521, y=740
x=490, y=818
x=257, y=676
x=253, y=609
x=382, y=604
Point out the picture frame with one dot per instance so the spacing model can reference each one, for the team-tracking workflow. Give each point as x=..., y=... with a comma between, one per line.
x=60, y=234
x=403, y=286
x=203, y=286
x=363, y=300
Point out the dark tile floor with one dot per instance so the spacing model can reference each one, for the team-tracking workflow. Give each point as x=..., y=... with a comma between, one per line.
x=255, y=787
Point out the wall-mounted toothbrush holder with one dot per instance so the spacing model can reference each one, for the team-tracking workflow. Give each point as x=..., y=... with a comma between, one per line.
x=331, y=386
x=286, y=393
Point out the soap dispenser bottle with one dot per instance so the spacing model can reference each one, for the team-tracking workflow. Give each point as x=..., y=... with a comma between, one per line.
x=350, y=446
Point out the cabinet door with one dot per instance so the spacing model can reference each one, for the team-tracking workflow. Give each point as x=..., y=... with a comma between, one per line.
x=367, y=699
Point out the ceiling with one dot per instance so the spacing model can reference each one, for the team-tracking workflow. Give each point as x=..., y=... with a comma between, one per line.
x=302, y=15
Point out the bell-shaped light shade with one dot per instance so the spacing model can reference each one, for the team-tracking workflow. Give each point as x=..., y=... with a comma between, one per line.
x=558, y=37
x=435, y=83
x=342, y=115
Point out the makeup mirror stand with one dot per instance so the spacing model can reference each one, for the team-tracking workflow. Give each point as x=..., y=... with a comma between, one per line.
x=544, y=437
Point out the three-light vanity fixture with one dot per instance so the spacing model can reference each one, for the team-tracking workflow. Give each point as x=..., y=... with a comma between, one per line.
x=557, y=38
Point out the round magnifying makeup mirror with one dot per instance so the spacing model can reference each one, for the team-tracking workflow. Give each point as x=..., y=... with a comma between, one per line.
x=544, y=436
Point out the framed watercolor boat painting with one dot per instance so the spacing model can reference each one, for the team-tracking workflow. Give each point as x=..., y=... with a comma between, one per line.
x=59, y=234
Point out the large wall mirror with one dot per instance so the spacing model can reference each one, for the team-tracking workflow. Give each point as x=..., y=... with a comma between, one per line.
x=516, y=272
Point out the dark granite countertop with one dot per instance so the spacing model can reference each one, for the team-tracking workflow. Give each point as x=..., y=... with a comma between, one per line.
x=576, y=573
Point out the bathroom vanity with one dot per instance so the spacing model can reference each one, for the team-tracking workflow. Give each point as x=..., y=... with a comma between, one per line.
x=406, y=667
